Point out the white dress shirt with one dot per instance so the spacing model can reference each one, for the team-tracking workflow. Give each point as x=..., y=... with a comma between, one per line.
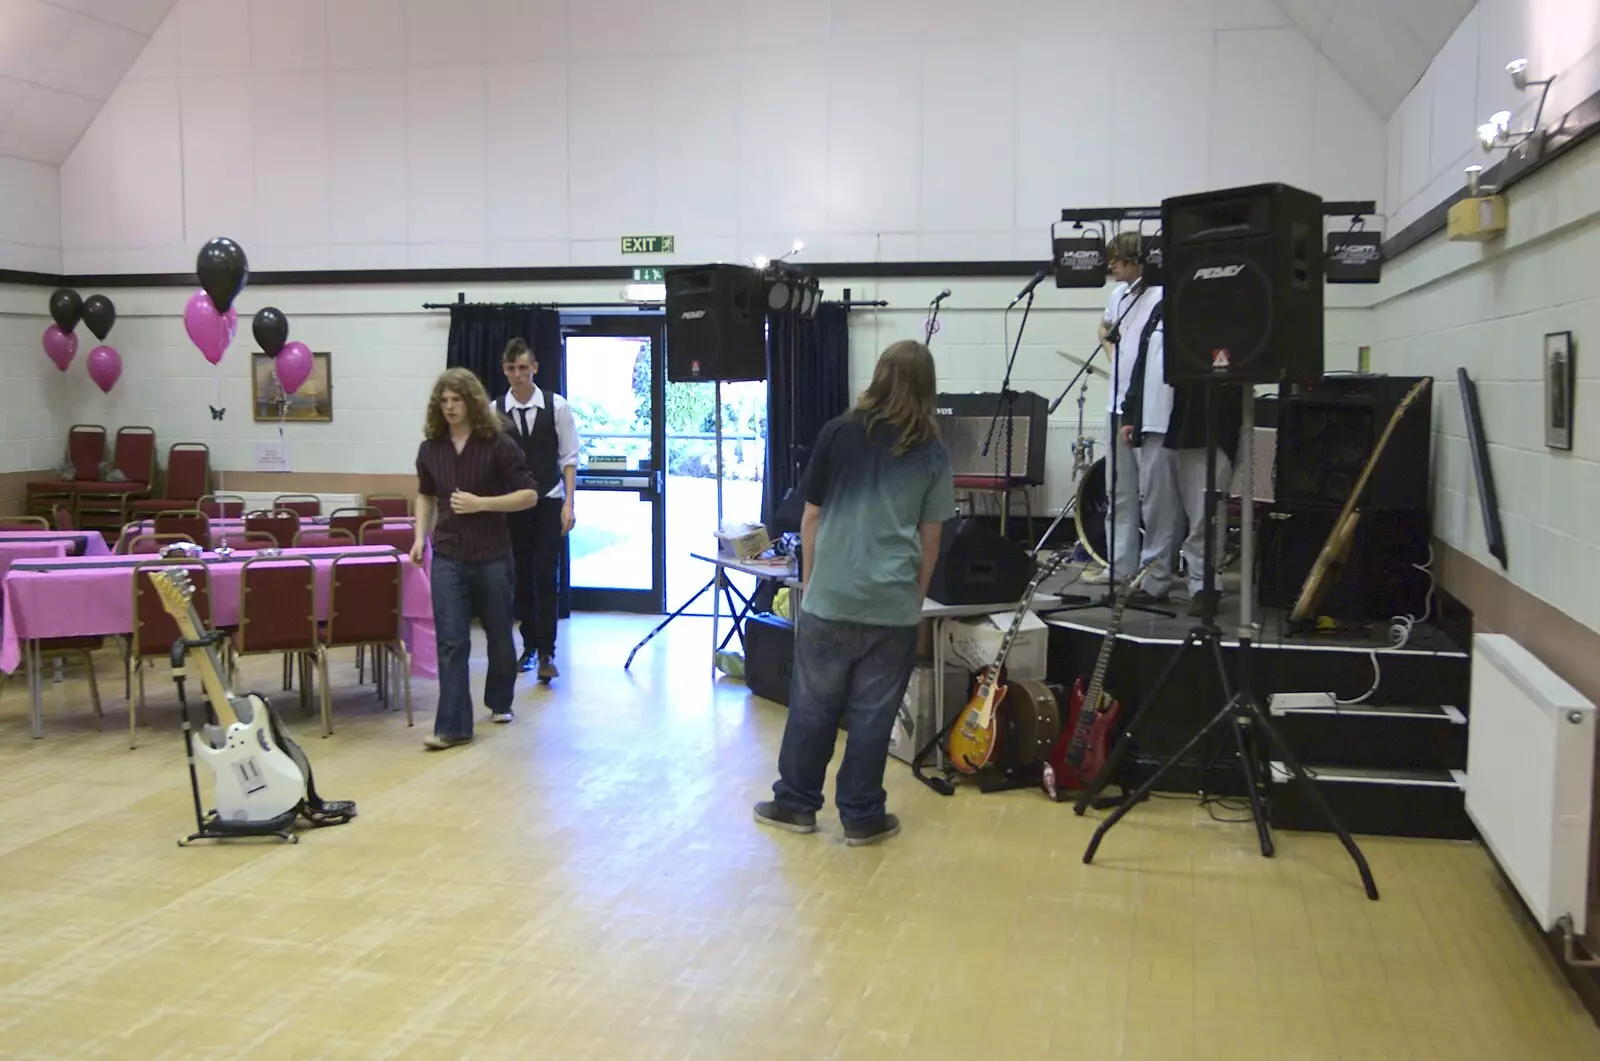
x=566, y=430
x=1133, y=308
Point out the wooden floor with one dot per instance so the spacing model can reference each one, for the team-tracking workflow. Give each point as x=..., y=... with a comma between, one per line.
x=588, y=883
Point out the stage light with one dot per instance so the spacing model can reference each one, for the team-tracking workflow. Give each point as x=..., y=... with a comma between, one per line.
x=761, y=262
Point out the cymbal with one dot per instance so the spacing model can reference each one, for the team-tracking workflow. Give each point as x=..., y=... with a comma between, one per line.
x=1094, y=370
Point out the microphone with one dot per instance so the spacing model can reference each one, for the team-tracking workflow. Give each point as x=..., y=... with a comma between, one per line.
x=1038, y=278
x=942, y=296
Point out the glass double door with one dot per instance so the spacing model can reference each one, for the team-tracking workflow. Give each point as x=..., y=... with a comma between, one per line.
x=616, y=560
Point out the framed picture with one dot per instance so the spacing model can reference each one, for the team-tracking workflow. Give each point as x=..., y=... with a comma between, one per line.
x=311, y=404
x=1558, y=379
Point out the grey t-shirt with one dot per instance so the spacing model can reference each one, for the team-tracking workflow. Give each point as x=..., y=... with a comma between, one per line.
x=868, y=551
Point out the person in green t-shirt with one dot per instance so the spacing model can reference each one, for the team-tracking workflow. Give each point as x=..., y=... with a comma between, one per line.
x=878, y=491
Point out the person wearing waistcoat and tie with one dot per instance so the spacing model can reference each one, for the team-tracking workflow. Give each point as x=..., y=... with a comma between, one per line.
x=542, y=425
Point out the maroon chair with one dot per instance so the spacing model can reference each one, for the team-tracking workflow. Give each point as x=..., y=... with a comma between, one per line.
x=62, y=518
x=352, y=519
x=188, y=479
x=191, y=522
x=388, y=532
x=86, y=452
x=108, y=502
x=278, y=613
x=306, y=505
x=222, y=506
x=364, y=595
x=154, y=631
x=282, y=523
x=323, y=538
x=24, y=523
x=390, y=506
x=134, y=544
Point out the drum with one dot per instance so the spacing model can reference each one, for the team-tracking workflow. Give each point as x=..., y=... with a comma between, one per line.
x=1089, y=514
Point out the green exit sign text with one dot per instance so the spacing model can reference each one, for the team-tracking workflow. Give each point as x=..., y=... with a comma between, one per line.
x=648, y=244
x=647, y=275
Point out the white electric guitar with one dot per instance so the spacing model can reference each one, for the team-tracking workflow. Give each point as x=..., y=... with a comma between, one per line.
x=257, y=781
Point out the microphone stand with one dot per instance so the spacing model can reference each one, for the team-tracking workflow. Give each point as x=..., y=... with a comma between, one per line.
x=932, y=324
x=1082, y=457
x=1007, y=403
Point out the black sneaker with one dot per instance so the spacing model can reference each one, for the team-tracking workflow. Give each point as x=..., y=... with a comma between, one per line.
x=1198, y=603
x=527, y=661
x=858, y=835
x=796, y=821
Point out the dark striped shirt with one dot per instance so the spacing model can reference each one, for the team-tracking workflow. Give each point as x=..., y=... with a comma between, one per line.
x=488, y=468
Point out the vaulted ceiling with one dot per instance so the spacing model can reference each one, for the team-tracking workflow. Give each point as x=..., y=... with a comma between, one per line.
x=1381, y=47
x=60, y=60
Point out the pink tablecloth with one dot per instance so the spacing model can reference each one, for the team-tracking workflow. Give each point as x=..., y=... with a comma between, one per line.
x=90, y=543
x=89, y=596
x=13, y=551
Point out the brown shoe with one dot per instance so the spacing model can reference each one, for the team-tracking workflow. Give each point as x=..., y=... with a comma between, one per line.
x=433, y=742
x=547, y=667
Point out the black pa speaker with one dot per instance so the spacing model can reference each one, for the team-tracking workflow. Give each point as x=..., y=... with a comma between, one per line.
x=978, y=565
x=716, y=323
x=1243, y=298
x=1326, y=435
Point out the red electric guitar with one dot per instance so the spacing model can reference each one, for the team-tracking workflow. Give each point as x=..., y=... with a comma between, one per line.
x=1085, y=740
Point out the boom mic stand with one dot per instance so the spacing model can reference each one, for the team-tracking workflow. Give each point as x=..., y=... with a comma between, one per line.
x=932, y=324
x=1240, y=705
x=1007, y=402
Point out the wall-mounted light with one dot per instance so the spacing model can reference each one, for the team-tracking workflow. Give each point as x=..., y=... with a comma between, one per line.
x=1496, y=132
x=1473, y=174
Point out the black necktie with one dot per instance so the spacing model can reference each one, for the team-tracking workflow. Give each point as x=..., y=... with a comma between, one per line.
x=522, y=411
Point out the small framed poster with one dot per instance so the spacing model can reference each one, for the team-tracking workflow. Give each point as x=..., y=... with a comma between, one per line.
x=1558, y=381
x=311, y=404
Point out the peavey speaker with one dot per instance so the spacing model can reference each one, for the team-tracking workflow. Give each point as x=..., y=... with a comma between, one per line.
x=1243, y=297
x=716, y=323
x=977, y=565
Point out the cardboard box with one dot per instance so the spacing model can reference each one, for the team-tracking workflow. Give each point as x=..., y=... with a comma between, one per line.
x=973, y=643
x=916, y=724
x=742, y=542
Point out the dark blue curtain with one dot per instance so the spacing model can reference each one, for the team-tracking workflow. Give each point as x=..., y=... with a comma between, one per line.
x=478, y=337
x=808, y=384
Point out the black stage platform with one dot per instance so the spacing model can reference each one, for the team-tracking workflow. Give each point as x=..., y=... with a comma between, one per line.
x=1432, y=669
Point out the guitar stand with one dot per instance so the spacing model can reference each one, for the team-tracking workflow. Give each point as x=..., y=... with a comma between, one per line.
x=942, y=785
x=1240, y=705
x=209, y=826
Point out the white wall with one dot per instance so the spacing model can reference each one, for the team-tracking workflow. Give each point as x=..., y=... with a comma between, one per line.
x=442, y=133
x=37, y=402
x=1488, y=308
x=1433, y=137
x=30, y=216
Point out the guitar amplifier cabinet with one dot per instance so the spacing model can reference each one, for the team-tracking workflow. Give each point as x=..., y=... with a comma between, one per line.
x=1326, y=436
x=768, y=656
x=1379, y=579
x=964, y=421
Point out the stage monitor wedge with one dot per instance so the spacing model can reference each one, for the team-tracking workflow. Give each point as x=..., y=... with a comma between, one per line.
x=716, y=323
x=1243, y=299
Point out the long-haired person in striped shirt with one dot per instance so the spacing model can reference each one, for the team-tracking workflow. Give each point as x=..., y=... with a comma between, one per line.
x=469, y=475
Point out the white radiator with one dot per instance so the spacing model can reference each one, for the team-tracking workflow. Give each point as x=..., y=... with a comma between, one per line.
x=1530, y=776
x=257, y=499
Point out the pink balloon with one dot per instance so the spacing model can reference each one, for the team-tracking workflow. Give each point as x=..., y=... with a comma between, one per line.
x=105, y=367
x=61, y=346
x=209, y=330
x=293, y=364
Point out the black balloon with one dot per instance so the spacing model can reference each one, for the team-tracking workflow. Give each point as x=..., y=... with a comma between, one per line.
x=66, y=306
x=223, y=269
x=271, y=328
x=99, y=314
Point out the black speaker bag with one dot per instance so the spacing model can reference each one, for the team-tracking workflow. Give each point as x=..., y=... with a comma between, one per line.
x=1379, y=578
x=768, y=656
x=977, y=565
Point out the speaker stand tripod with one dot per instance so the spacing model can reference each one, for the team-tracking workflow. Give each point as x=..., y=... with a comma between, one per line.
x=1240, y=706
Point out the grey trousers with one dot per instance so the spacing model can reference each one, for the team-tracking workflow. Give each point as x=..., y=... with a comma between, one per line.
x=1191, y=472
x=1146, y=494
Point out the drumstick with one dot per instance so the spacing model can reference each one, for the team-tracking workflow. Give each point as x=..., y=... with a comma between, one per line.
x=1094, y=370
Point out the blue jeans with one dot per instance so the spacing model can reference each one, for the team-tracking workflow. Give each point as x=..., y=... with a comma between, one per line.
x=848, y=672
x=463, y=592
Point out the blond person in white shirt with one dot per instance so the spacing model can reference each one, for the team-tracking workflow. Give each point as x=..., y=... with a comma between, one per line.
x=541, y=424
x=1147, y=509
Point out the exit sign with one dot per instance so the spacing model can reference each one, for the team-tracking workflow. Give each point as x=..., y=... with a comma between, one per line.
x=646, y=276
x=648, y=244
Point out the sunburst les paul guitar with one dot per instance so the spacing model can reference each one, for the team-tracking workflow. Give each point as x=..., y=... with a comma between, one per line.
x=1085, y=740
x=975, y=737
